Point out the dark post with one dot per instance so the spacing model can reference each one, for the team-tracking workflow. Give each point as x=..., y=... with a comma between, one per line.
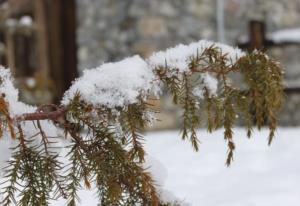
x=2, y=56
x=57, y=42
x=257, y=35
x=62, y=29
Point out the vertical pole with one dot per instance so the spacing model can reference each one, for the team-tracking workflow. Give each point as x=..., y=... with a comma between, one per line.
x=42, y=33
x=2, y=49
x=257, y=35
x=220, y=21
x=56, y=27
x=63, y=44
x=22, y=55
x=10, y=52
x=69, y=42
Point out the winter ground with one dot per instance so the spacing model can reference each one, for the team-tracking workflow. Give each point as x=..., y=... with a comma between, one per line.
x=260, y=175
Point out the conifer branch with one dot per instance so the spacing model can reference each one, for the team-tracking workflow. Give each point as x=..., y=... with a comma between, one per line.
x=104, y=121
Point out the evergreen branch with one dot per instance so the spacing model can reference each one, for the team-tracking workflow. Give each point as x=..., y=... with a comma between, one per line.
x=190, y=119
x=107, y=145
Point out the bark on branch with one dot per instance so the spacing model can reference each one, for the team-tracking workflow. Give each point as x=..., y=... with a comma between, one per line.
x=43, y=115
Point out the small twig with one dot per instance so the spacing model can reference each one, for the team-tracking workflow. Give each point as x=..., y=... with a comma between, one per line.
x=22, y=139
x=41, y=115
x=44, y=137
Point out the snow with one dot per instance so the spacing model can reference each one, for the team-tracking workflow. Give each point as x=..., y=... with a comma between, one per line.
x=5, y=144
x=259, y=176
x=113, y=84
x=210, y=82
x=121, y=83
x=198, y=92
x=159, y=174
x=30, y=82
x=286, y=35
x=26, y=21
x=17, y=108
x=243, y=39
x=178, y=56
x=280, y=36
x=12, y=94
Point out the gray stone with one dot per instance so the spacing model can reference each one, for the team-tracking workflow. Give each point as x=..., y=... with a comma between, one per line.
x=152, y=26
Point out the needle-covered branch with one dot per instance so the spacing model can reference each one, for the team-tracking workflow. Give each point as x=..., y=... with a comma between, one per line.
x=106, y=110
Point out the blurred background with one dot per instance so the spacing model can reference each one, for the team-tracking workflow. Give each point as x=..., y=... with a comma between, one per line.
x=48, y=43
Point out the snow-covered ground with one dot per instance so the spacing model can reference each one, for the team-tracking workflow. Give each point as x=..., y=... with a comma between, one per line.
x=260, y=175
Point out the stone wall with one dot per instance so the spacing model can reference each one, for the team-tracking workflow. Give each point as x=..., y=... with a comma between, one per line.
x=109, y=30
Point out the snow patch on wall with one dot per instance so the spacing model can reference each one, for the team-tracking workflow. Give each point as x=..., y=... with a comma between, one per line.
x=286, y=35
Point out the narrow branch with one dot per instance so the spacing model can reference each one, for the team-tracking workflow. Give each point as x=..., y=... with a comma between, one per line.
x=21, y=136
x=42, y=115
x=44, y=137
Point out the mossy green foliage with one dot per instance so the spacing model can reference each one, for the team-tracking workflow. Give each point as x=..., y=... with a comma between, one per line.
x=106, y=150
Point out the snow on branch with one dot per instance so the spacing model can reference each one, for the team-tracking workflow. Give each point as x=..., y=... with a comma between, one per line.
x=122, y=83
x=113, y=84
x=16, y=111
x=179, y=56
x=11, y=94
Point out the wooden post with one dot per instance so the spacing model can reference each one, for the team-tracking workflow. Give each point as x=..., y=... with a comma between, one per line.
x=62, y=24
x=2, y=56
x=69, y=69
x=23, y=55
x=18, y=8
x=258, y=40
x=56, y=27
x=55, y=33
x=43, y=48
x=257, y=35
x=10, y=52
